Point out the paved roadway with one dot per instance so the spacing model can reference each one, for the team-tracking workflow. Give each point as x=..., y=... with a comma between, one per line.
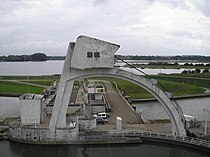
x=119, y=108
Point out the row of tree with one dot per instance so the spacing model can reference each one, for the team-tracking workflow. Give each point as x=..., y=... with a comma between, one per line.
x=183, y=57
x=21, y=58
x=195, y=71
x=176, y=64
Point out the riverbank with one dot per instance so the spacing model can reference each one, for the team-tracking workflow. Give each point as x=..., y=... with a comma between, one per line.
x=174, y=98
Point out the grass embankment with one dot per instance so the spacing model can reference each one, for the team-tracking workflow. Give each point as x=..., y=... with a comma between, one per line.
x=136, y=92
x=177, y=89
x=7, y=86
x=17, y=88
x=191, y=80
x=196, y=75
x=20, y=86
x=6, y=121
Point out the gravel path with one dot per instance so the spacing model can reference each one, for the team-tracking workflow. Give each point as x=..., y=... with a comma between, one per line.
x=119, y=108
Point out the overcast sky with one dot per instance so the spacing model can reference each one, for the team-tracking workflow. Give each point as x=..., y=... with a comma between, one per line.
x=141, y=27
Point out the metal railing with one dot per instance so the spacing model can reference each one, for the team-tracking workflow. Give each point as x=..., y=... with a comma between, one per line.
x=184, y=139
x=107, y=138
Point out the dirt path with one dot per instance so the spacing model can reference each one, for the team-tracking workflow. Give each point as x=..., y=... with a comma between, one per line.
x=28, y=83
x=119, y=108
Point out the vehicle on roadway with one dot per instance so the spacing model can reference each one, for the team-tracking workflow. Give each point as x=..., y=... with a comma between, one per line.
x=101, y=120
x=104, y=115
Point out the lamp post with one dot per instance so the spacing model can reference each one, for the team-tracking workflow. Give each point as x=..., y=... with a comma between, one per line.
x=206, y=118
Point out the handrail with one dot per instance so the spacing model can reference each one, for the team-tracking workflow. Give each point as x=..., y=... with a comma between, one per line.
x=184, y=139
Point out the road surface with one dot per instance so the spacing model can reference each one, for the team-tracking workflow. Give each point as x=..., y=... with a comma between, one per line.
x=119, y=108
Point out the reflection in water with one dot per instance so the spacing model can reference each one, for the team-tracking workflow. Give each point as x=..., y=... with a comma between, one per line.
x=12, y=149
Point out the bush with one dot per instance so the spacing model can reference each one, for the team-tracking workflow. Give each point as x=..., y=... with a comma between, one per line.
x=205, y=70
x=38, y=57
x=197, y=70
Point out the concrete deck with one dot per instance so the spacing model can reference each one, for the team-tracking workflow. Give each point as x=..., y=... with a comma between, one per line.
x=120, y=108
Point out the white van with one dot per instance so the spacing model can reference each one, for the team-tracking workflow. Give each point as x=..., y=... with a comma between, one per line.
x=189, y=118
x=190, y=121
x=103, y=115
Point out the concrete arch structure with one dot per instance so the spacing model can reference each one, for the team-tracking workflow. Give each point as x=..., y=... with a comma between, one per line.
x=71, y=73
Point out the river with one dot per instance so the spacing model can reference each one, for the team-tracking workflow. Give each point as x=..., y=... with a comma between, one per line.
x=153, y=110
x=55, y=67
x=11, y=149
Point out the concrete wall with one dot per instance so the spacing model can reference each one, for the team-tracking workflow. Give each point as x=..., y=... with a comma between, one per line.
x=73, y=109
x=96, y=109
x=42, y=135
x=86, y=44
x=9, y=107
x=30, y=111
x=98, y=96
x=87, y=124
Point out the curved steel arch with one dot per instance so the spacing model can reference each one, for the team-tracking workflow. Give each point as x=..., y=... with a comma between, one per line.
x=178, y=126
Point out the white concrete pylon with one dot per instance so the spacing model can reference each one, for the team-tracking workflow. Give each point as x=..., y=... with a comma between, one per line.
x=92, y=57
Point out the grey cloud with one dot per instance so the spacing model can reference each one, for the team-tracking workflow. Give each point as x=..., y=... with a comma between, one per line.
x=8, y=6
x=203, y=6
x=100, y=2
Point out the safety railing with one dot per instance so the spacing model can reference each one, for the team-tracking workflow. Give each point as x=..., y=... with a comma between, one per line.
x=106, y=138
x=184, y=139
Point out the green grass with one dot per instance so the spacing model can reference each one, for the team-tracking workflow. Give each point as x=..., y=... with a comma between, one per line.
x=181, y=89
x=131, y=89
x=178, y=86
x=134, y=91
x=187, y=81
x=13, y=87
x=196, y=75
x=40, y=82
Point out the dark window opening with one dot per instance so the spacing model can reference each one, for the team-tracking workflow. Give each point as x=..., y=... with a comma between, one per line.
x=96, y=55
x=89, y=54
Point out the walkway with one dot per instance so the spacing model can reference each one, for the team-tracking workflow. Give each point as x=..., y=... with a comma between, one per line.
x=28, y=83
x=119, y=108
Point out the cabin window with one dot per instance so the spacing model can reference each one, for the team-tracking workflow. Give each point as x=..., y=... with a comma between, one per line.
x=96, y=55
x=89, y=54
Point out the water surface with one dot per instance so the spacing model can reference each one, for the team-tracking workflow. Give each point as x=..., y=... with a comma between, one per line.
x=12, y=149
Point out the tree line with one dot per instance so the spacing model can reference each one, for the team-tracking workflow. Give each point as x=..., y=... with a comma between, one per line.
x=22, y=58
x=183, y=57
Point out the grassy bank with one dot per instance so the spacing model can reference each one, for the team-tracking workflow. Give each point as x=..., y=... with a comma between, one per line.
x=16, y=88
x=134, y=91
x=196, y=75
x=186, y=80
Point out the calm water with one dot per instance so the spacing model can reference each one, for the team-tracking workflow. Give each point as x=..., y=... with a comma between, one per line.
x=11, y=149
x=55, y=67
x=31, y=68
x=195, y=106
